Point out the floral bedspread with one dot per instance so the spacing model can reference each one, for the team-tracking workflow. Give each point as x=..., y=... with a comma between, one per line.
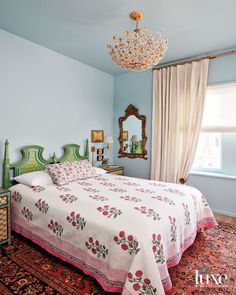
x=125, y=232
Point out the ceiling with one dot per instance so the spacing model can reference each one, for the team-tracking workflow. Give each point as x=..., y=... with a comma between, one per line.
x=81, y=29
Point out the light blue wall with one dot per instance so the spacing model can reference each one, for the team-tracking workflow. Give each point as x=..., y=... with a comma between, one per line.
x=49, y=99
x=219, y=192
x=229, y=153
x=136, y=88
x=222, y=69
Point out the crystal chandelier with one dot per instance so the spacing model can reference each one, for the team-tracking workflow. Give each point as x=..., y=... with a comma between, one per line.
x=139, y=49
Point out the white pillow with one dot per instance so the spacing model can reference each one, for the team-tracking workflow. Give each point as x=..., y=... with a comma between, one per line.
x=34, y=178
x=99, y=170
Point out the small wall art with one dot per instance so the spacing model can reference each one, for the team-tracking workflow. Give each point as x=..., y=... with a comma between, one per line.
x=100, y=157
x=100, y=151
x=97, y=135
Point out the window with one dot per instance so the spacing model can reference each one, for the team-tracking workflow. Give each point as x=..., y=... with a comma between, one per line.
x=208, y=154
x=217, y=139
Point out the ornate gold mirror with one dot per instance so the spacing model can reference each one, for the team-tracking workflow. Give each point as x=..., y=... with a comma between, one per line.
x=132, y=134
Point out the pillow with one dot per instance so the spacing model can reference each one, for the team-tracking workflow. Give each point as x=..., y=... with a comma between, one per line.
x=64, y=173
x=99, y=170
x=84, y=169
x=34, y=178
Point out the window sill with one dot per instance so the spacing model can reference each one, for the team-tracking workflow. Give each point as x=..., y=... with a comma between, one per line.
x=212, y=174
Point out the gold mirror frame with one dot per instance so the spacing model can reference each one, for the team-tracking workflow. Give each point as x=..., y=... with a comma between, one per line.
x=132, y=110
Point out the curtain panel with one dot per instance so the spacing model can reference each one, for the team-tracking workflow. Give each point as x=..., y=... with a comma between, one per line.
x=178, y=104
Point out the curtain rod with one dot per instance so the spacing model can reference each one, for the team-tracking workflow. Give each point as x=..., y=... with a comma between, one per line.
x=210, y=56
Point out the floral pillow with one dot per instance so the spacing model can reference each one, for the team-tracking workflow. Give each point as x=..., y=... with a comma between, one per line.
x=84, y=169
x=64, y=173
x=61, y=173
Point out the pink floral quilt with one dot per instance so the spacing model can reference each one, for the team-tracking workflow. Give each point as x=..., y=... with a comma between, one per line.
x=125, y=232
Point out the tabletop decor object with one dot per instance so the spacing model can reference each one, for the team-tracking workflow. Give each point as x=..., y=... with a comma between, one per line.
x=105, y=162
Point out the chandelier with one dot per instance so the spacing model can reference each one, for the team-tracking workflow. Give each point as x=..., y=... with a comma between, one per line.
x=139, y=49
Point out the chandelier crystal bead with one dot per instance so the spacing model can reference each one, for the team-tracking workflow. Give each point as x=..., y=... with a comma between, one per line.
x=139, y=49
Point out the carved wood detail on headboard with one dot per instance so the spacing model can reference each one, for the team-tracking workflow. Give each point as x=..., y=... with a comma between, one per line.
x=33, y=160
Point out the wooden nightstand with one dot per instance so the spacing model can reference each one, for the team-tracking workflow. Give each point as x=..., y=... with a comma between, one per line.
x=114, y=169
x=5, y=222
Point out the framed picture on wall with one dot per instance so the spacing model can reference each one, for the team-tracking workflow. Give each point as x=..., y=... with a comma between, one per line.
x=97, y=136
x=100, y=157
x=100, y=151
x=125, y=135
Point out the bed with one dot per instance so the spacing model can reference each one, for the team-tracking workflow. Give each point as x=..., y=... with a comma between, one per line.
x=125, y=232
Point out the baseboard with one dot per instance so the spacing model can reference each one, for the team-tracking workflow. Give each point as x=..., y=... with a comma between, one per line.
x=227, y=213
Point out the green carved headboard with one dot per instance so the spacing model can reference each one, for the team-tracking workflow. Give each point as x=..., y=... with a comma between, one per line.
x=32, y=160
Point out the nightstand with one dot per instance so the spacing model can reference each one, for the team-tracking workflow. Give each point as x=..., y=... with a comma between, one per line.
x=5, y=222
x=114, y=169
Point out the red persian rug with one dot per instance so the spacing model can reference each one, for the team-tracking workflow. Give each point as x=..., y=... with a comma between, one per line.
x=25, y=268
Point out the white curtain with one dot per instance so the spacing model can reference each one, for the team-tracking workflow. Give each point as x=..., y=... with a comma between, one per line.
x=178, y=103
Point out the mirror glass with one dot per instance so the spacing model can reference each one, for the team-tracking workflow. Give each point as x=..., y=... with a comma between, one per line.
x=132, y=135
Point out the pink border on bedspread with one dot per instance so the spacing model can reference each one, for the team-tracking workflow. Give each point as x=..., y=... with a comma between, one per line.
x=208, y=223
x=70, y=261
x=173, y=261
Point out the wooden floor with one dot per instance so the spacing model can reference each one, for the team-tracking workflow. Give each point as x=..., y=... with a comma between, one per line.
x=225, y=218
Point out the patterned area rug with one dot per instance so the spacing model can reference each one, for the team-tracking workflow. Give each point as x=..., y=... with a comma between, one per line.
x=27, y=269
